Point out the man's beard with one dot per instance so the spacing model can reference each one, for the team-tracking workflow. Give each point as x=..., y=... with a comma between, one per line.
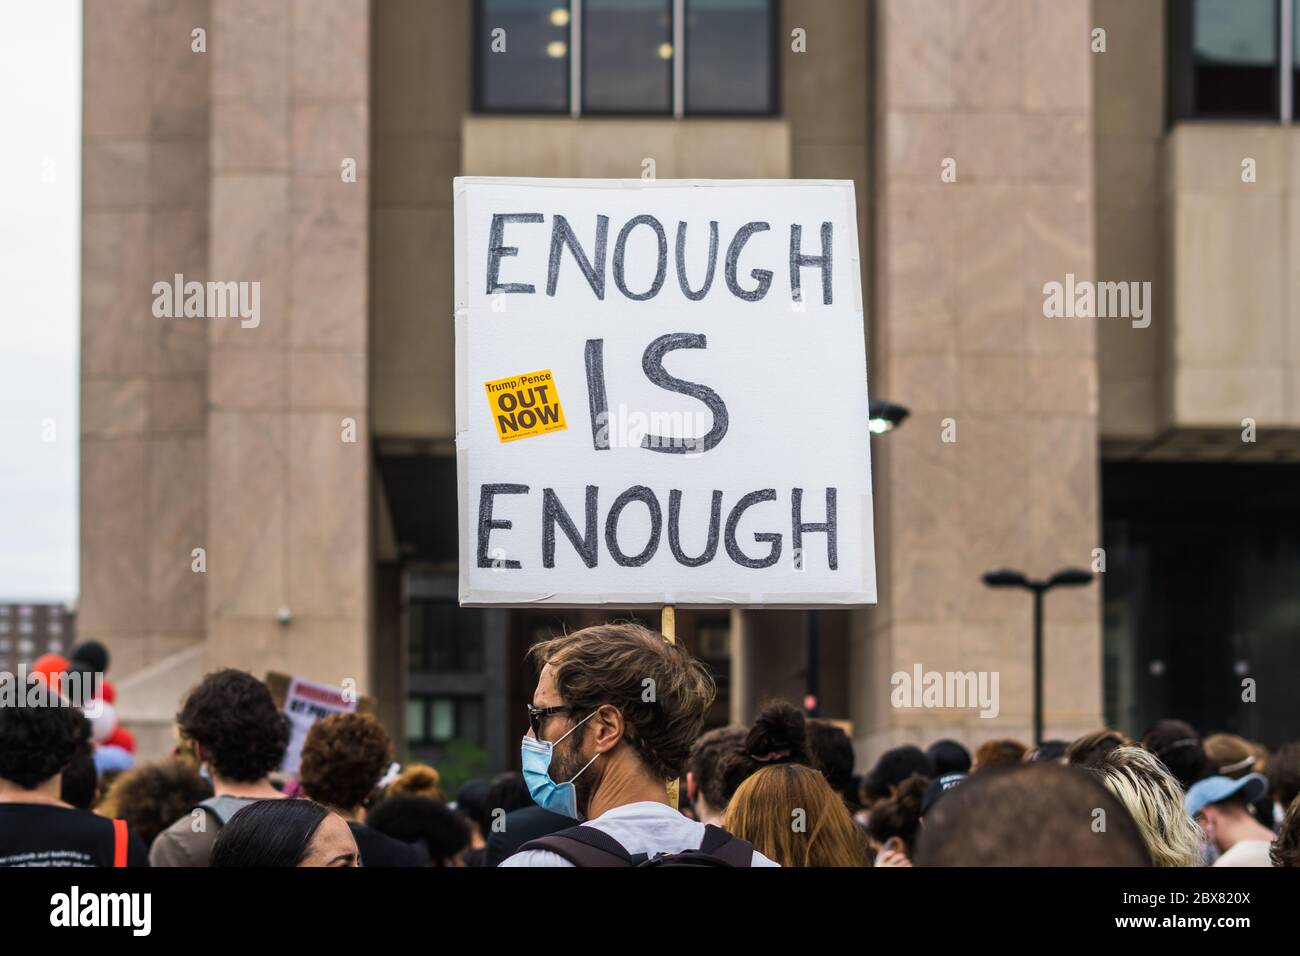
x=566, y=763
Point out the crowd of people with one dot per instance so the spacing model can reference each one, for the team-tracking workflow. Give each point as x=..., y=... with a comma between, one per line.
x=616, y=771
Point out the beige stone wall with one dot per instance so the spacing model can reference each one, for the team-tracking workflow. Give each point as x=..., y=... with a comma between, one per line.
x=1128, y=84
x=289, y=496
x=143, y=379
x=1004, y=88
x=600, y=147
x=1233, y=351
x=197, y=433
x=227, y=166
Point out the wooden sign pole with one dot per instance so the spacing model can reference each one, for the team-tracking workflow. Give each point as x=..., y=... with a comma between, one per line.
x=668, y=627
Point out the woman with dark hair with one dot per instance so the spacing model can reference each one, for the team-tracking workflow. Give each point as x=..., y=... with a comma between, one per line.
x=779, y=736
x=896, y=821
x=439, y=832
x=894, y=766
x=1180, y=748
x=285, y=833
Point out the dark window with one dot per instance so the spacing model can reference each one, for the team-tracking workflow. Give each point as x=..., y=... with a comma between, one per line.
x=440, y=719
x=1202, y=595
x=1225, y=56
x=730, y=58
x=445, y=637
x=627, y=55
x=523, y=56
x=1295, y=53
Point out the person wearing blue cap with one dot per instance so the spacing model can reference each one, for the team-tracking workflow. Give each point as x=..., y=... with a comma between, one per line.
x=1221, y=806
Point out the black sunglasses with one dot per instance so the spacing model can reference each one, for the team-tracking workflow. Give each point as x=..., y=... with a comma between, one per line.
x=537, y=716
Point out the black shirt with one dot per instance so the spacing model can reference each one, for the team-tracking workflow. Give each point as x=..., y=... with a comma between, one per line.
x=42, y=834
x=379, y=849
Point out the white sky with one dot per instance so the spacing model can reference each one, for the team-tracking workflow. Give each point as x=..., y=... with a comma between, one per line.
x=40, y=280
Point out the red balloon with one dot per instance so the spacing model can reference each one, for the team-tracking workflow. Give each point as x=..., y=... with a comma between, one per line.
x=49, y=665
x=120, y=738
x=109, y=692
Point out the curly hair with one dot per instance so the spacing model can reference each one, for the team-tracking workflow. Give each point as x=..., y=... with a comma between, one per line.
x=419, y=820
x=79, y=784
x=152, y=797
x=343, y=758
x=37, y=742
x=779, y=736
x=619, y=664
x=231, y=715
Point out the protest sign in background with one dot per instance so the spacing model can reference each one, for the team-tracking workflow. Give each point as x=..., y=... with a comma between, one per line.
x=661, y=394
x=304, y=702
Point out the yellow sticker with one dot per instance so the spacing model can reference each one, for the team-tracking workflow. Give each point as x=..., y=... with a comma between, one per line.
x=525, y=405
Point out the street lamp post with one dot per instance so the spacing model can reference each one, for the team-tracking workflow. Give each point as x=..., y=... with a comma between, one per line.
x=1005, y=578
x=885, y=416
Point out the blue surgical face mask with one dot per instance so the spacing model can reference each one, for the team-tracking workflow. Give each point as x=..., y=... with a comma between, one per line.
x=561, y=798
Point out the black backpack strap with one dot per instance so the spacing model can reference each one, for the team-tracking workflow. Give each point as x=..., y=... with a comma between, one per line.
x=585, y=846
x=732, y=850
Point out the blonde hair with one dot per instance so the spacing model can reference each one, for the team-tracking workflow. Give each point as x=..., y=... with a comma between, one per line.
x=1154, y=798
x=767, y=806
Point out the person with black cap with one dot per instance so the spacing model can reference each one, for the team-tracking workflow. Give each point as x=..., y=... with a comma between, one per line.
x=938, y=787
x=948, y=756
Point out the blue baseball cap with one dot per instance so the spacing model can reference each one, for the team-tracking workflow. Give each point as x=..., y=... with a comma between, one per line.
x=1218, y=788
x=112, y=757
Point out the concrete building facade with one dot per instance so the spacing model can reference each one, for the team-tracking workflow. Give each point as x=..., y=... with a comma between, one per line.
x=281, y=497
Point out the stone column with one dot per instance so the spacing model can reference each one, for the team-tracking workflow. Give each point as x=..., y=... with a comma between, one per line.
x=1002, y=88
x=143, y=378
x=288, y=429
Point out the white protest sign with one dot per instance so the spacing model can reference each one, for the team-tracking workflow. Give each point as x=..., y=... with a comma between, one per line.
x=306, y=702
x=661, y=394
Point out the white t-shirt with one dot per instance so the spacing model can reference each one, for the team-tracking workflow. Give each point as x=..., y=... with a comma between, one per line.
x=647, y=827
x=1247, y=853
